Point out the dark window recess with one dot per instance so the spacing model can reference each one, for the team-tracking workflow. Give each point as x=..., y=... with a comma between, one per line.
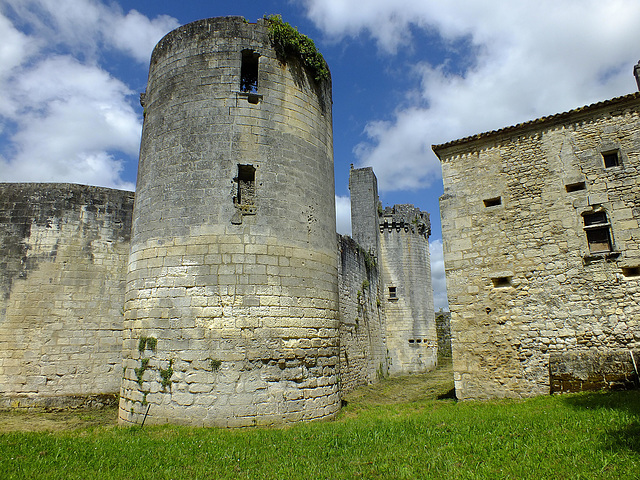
x=631, y=271
x=598, y=230
x=501, y=282
x=611, y=159
x=392, y=292
x=411, y=340
x=249, y=71
x=246, y=189
x=575, y=187
x=492, y=202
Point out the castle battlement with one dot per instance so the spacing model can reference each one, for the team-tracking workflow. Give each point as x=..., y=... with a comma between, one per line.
x=405, y=217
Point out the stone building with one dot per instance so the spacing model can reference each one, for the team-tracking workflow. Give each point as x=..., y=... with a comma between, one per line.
x=542, y=252
x=233, y=300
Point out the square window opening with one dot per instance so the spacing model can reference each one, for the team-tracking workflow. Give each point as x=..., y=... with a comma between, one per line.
x=393, y=293
x=249, y=72
x=501, y=282
x=598, y=231
x=611, y=159
x=575, y=187
x=492, y=202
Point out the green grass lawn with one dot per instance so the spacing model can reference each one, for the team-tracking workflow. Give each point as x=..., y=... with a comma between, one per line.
x=590, y=436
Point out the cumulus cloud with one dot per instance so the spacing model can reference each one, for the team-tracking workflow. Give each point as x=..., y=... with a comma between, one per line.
x=437, y=276
x=69, y=116
x=343, y=215
x=524, y=60
x=63, y=117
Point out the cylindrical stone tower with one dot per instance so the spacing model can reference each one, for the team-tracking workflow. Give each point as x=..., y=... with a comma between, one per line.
x=231, y=306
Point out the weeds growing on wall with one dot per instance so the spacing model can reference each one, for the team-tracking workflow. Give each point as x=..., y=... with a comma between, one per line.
x=289, y=42
x=166, y=374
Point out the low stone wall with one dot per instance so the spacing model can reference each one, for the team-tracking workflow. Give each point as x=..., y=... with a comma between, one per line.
x=578, y=371
x=63, y=257
x=362, y=333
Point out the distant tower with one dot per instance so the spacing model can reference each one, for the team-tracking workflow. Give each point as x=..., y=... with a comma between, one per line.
x=405, y=264
x=231, y=306
x=399, y=238
x=363, y=188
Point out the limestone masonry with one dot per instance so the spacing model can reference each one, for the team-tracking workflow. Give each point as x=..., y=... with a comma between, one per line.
x=223, y=296
x=542, y=253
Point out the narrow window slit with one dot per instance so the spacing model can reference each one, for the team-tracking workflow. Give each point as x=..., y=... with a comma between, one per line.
x=631, y=271
x=492, y=202
x=500, y=282
x=575, y=187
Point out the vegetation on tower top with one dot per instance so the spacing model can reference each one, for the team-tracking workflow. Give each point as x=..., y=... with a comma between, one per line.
x=288, y=41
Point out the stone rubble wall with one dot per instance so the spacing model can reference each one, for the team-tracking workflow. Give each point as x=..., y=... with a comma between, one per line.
x=523, y=286
x=443, y=331
x=363, y=356
x=63, y=257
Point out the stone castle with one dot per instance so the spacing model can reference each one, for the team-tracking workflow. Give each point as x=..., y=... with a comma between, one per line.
x=540, y=226
x=218, y=294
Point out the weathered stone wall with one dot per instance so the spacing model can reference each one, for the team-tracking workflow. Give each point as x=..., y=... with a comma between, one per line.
x=443, y=331
x=363, y=187
x=524, y=283
x=63, y=257
x=363, y=356
x=406, y=270
x=233, y=266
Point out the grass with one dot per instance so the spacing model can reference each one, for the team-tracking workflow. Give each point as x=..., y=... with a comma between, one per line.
x=581, y=436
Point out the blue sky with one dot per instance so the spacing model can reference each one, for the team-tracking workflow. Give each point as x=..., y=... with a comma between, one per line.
x=406, y=74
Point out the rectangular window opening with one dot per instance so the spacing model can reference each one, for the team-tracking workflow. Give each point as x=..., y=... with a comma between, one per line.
x=249, y=72
x=246, y=180
x=499, y=282
x=393, y=293
x=631, y=271
x=611, y=159
x=411, y=340
x=575, y=187
x=598, y=231
x=492, y=202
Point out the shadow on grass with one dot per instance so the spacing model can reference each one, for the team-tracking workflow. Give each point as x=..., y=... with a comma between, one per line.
x=628, y=402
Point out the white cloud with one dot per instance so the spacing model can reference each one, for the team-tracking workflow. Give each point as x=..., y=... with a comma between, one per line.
x=437, y=276
x=70, y=117
x=84, y=26
x=137, y=34
x=529, y=58
x=343, y=215
x=63, y=117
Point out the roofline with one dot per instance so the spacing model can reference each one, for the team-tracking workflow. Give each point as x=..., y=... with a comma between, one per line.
x=547, y=120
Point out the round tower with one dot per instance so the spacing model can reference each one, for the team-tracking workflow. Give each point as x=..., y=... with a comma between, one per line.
x=231, y=304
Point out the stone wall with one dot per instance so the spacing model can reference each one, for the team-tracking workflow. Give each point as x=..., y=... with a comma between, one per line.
x=363, y=355
x=63, y=257
x=541, y=247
